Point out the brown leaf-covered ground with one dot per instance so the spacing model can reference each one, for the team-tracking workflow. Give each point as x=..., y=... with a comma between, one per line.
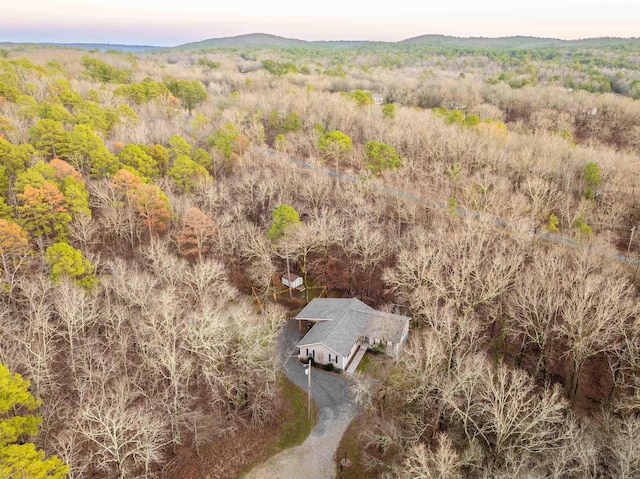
x=228, y=457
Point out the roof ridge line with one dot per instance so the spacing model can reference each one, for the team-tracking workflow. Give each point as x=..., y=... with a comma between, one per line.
x=336, y=321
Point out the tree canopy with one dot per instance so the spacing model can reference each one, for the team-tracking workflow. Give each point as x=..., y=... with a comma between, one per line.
x=334, y=144
x=19, y=459
x=381, y=156
x=68, y=262
x=283, y=217
x=190, y=92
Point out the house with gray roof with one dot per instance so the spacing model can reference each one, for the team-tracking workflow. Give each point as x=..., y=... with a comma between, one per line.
x=343, y=327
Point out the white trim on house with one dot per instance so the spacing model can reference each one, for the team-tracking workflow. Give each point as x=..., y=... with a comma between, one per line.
x=292, y=280
x=342, y=325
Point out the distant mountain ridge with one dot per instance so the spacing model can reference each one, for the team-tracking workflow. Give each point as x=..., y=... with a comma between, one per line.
x=515, y=42
x=259, y=40
x=103, y=47
x=265, y=40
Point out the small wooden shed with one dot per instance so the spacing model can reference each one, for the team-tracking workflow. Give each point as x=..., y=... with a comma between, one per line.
x=292, y=280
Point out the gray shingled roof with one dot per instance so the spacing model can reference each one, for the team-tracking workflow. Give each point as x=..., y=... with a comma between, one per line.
x=341, y=321
x=325, y=309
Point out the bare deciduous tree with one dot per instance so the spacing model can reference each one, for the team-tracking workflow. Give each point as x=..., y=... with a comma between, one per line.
x=596, y=308
x=77, y=311
x=623, y=447
x=442, y=463
x=124, y=438
x=534, y=305
x=513, y=417
x=468, y=269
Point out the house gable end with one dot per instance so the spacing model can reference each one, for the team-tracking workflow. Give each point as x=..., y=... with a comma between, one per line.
x=341, y=322
x=309, y=345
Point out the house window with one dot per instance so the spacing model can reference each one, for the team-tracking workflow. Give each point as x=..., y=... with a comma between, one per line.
x=311, y=353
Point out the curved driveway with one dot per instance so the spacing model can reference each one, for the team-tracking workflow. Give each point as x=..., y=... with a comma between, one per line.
x=313, y=459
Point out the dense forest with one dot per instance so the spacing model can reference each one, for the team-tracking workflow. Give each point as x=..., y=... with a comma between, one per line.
x=488, y=188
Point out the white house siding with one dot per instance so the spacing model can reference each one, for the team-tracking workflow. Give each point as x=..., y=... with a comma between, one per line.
x=342, y=363
x=393, y=349
x=307, y=352
x=292, y=284
x=320, y=355
x=373, y=342
x=341, y=323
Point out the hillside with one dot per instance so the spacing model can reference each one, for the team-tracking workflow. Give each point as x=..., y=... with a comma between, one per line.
x=517, y=42
x=150, y=203
x=252, y=39
x=263, y=40
x=484, y=42
x=501, y=43
x=102, y=47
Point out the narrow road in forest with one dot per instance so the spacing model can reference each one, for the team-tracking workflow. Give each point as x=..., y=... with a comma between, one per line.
x=313, y=459
x=464, y=212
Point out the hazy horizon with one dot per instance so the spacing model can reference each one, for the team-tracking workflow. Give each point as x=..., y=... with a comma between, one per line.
x=166, y=23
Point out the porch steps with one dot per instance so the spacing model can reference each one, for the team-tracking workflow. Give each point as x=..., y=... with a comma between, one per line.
x=351, y=368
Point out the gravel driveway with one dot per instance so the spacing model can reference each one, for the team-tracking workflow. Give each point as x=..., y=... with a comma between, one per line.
x=313, y=459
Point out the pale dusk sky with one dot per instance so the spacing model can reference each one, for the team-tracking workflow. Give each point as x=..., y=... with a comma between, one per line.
x=168, y=23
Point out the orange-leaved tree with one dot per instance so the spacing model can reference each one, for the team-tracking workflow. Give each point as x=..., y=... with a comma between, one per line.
x=196, y=233
x=149, y=201
x=43, y=210
x=125, y=180
x=64, y=169
x=152, y=206
x=72, y=186
x=14, y=245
